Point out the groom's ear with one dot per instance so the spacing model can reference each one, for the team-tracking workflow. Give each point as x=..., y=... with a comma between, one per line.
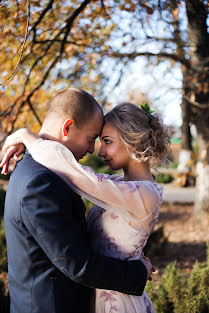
x=67, y=125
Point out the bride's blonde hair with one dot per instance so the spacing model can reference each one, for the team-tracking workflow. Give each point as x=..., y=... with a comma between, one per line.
x=147, y=140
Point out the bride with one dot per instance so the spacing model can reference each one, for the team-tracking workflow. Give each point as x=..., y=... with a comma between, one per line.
x=126, y=208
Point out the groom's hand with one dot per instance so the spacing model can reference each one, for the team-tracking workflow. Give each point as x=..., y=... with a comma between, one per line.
x=149, y=266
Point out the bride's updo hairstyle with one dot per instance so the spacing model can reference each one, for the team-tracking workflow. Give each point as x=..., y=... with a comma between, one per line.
x=146, y=139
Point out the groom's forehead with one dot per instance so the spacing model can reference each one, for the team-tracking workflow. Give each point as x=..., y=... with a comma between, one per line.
x=93, y=132
x=93, y=135
x=94, y=125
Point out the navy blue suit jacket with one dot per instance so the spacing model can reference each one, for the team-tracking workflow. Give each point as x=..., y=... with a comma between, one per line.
x=50, y=265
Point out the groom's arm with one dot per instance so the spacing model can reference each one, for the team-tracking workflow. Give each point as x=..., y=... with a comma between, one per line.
x=50, y=218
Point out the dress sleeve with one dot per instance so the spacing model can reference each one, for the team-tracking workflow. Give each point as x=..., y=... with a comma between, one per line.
x=134, y=200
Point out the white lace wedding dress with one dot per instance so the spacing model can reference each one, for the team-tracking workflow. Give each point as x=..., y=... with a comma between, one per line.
x=119, y=224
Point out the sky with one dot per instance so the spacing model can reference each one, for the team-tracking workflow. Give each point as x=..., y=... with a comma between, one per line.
x=162, y=87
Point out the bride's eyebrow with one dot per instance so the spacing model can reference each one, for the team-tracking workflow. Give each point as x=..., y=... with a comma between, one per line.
x=106, y=137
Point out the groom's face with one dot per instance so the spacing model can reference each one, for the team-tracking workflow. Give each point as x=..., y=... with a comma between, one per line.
x=82, y=140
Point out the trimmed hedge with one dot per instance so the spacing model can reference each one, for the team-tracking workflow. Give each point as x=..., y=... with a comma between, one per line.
x=175, y=293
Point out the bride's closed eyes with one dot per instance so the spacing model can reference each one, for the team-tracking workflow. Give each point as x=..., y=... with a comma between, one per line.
x=91, y=139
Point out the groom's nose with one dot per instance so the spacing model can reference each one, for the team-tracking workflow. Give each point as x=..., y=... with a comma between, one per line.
x=91, y=148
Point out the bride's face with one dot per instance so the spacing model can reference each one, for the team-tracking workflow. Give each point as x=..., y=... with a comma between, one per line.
x=113, y=149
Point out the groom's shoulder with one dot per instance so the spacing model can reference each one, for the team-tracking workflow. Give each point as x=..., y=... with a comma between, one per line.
x=27, y=167
x=29, y=171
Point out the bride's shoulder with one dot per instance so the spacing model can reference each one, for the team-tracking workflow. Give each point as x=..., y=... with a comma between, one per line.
x=151, y=194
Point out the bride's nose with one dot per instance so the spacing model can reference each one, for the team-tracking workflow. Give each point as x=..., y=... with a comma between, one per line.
x=101, y=152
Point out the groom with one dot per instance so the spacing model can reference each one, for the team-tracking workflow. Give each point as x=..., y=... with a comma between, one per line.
x=50, y=265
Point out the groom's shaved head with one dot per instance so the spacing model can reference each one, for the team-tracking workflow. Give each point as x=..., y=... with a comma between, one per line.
x=74, y=103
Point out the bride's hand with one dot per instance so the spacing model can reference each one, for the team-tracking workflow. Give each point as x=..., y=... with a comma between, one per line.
x=13, y=147
x=14, y=139
x=12, y=151
x=148, y=264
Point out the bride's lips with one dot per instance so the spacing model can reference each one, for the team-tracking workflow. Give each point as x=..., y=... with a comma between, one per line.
x=107, y=161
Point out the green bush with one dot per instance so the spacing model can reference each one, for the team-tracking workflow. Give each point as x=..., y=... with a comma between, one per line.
x=164, y=178
x=173, y=165
x=156, y=243
x=3, y=249
x=97, y=164
x=175, y=293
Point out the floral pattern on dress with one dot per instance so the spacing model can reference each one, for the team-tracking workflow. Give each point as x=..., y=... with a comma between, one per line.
x=113, y=216
x=100, y=178
x=108, y=242
x=148, y=305
x=109, y=297
x=137, y=248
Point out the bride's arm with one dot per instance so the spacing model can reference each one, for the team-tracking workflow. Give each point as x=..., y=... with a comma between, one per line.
x=22, y=136
x=132, y=197
x=127, y=197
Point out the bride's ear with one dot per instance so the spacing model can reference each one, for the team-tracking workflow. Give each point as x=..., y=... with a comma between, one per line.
x=67, y=126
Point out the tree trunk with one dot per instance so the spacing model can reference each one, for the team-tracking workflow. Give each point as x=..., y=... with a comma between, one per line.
x=202, y=170
x=185, y=128
x=197, y=84
x=186, y=147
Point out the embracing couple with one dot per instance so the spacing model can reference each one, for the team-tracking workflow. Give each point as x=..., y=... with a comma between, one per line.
x=58, y=263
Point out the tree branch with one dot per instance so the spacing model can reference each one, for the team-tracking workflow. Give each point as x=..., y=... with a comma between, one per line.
x=195, y=103
x=2, y=5
x=173, y=40
x=70, y=23
x=66, y=29
x=9, y=110
x=133, y=55
x=34, y=112
x=43, y=13
x=23, y=45
x=12, y=124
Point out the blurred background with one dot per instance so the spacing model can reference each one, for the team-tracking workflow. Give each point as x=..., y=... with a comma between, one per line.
x=124, y=50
